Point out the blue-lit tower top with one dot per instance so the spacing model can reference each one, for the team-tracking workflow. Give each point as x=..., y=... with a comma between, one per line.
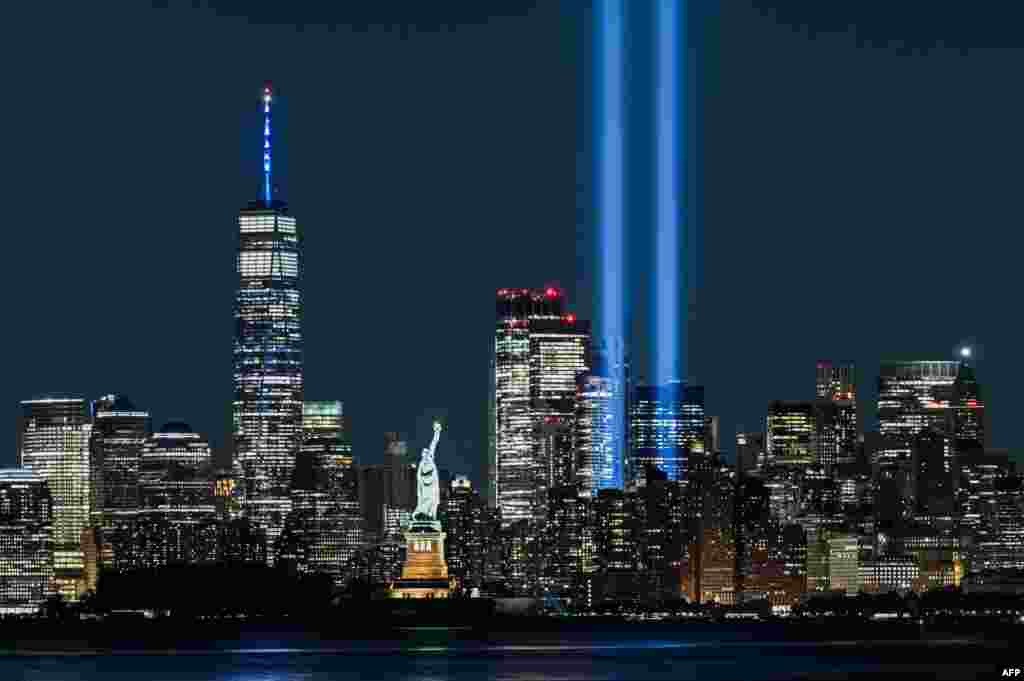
x=268, y=96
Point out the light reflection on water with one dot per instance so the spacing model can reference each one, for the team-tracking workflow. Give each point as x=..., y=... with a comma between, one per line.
x=644, y=660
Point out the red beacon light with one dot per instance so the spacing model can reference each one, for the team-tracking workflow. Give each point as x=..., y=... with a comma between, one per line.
x=551, y=292
x=571, y=318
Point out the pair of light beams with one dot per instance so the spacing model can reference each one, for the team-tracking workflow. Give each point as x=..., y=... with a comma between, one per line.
x=667, y=322
x=610, y=125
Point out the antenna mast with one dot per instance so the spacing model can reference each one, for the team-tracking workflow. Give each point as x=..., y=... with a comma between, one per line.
x=267, y=97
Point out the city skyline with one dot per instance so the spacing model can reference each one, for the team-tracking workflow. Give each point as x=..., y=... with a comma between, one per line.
x=95, y=365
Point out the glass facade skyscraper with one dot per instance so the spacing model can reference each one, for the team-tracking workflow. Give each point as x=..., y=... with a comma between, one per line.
x=268, y=355
x=599, y=433
x=539, y=350
x=55, y=446
x=666, y=428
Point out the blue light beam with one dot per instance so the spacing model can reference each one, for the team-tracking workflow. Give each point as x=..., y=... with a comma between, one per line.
x=668, y=337
x=609, y=26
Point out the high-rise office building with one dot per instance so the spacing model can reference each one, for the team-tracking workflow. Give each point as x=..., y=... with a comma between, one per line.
x=268, y=351
x=968, y=429
x=912, y=397
x=326, y=441
x=374, y=486
x=569, y=541
x=712, y=436
x=599, y=434
x=177, y=513
x=55, y=446
x=324, y=528
x=463, y=517
x=979, y=472
x=836, y=381
x=26, y=541
x=539, y=350
x=750, y=452
x=115, y=449
x=932, y=475
x=667, y=429
x=752, y=524
x=323, y=531
x=844, y=563
x=837, y=384
x=792, y=432
x=403, y=471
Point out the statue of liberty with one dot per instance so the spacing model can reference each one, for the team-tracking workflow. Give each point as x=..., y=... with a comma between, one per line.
x=428, y=493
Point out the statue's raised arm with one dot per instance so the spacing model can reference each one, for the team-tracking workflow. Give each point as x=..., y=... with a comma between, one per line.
x=437, y=436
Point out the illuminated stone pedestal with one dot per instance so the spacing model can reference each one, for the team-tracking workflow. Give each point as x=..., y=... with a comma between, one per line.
x=425, y=572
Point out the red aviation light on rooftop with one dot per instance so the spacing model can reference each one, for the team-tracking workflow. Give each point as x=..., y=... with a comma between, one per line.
x=552, y=293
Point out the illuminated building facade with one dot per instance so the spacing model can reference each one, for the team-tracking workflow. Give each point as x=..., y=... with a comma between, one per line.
x=177, y=514
x=844, y=563
x=403, y=471
x=889, y=573
x=464, y=518
x=326, y=441
x=228, y=492
x=1001, y=546
x=26, y=541
x=615, y=535
x=268, y=352
x=837, y=384
x=792, y=432
x=324, y=528
x=980, y=472
x=717, y=567
x=968, y=431
x=912, y=397
x=569, y=558
x=836, y=381
x=598, y=435
x=752, y=528
x=663, y=514
x=666, y=429
x=539, y=350
x=55, y=446
x=750, y=452
x=118, y=433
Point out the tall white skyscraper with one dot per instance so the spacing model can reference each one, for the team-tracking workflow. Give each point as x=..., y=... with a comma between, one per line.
x=539, y=351
x=268, y=353
x=55, y=446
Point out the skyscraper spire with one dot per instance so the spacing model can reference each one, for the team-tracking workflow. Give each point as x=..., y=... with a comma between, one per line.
x=267, y=98
x=268, y=376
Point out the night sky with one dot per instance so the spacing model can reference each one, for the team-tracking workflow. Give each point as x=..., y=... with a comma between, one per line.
x=856, y=175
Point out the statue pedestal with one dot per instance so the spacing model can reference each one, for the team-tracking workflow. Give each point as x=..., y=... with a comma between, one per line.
x=425, y=572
